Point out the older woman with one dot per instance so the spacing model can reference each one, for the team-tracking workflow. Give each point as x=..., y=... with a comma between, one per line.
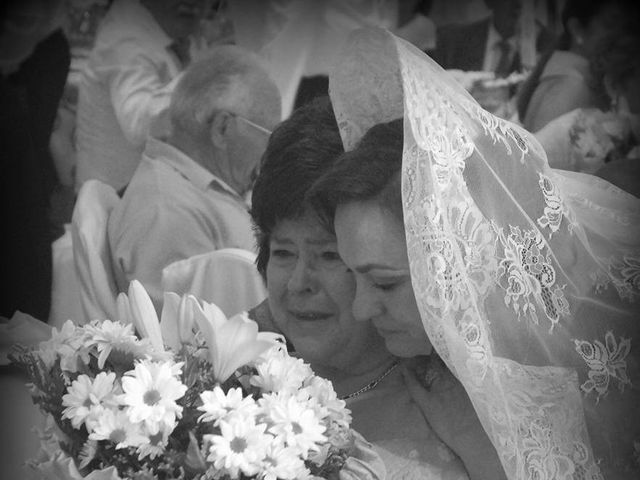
x=523, y=281
x=310, y=298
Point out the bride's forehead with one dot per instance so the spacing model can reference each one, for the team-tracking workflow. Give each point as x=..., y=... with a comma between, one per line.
x=368, y=221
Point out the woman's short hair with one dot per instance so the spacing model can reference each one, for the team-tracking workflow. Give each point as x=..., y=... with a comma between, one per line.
x=371, y=171
x=299, y=151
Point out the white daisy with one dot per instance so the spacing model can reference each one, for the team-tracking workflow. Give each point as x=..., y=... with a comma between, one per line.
x=154, y=444
x=86, y=398
x=323, y=398
x=281, y=463
x=68, y=344
x=150, y=394
x=115, y=427
x=240, y=447
x=218, y=406
x=108, y=335
x=296, y=424
x=281, y=373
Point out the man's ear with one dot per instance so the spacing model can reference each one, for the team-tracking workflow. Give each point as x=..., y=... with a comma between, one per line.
x=219, y=128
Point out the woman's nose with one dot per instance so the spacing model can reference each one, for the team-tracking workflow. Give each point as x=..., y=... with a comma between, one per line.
x=365, y=303
x=303, y=278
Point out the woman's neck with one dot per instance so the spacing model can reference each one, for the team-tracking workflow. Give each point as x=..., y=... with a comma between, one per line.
x=347, y=380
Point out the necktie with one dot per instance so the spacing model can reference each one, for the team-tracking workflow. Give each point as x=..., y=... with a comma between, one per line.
x=503, y=67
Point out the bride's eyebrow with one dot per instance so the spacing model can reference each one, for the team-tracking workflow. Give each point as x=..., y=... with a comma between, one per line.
x=321, y=241
x=372, y=266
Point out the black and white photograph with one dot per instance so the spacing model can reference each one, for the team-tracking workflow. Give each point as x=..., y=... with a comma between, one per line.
x=320, y=239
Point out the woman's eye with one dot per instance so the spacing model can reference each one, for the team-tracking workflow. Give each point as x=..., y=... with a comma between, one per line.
x=281, y=253
x=331, y=256
x=385, y=287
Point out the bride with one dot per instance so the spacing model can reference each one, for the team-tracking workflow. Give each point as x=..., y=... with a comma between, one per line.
x=524, y=279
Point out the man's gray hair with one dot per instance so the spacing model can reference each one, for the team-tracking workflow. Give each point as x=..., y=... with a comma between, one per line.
x=221, y=81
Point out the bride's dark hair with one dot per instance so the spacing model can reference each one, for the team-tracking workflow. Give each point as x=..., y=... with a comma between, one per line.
x=371, y=171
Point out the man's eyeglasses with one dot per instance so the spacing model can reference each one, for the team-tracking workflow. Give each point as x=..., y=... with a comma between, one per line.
x=262, y=129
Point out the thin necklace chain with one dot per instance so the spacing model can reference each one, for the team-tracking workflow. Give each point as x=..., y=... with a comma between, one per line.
x=373, y=384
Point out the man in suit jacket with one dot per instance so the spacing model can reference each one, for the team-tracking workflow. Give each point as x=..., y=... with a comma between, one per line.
x=490, y=44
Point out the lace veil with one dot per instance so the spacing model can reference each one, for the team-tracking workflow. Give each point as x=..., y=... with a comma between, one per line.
x=527, y=278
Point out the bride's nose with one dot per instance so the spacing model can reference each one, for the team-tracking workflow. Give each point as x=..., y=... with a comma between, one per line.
x=365, y=303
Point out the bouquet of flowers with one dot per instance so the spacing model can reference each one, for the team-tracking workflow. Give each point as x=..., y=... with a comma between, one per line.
x=598, y=137
x=199, y=396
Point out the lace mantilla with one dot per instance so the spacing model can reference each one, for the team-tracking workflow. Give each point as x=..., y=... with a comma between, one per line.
x=606, y=362
x=511, y=264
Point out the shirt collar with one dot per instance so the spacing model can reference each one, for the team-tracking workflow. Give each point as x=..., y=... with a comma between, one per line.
x=194, y=172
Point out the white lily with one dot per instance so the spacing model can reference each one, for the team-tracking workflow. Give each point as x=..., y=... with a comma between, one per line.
x=232, y=342
x=137, y=308
x=177, y=322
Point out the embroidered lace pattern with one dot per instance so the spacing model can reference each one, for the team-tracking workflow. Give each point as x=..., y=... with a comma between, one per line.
x=511, y=268
x=555, y=209
x=462, y=258
x=606, y=362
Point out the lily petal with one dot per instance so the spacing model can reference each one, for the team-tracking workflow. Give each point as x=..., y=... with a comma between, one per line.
x=232, y=343
x=169, y=320
x=124, y=312
x=186, y=321
x=144, y=316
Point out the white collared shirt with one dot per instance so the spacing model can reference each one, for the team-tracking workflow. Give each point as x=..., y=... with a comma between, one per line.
x=126, y=83
x=173, y=209
x=493, y=52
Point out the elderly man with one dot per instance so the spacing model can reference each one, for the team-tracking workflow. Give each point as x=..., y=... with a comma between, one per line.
x=140, y=48
x=187, y=195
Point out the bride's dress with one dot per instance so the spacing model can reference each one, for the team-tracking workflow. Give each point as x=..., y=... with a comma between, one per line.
x=389, y=418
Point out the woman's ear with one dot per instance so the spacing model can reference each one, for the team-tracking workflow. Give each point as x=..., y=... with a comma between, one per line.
x=219, y=127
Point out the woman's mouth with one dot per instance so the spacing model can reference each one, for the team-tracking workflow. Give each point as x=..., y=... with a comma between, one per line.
x=309, y=315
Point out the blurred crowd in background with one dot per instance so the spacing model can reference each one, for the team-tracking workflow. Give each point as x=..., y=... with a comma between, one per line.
x=86, y=81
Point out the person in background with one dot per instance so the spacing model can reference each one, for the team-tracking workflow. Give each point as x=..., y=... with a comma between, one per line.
x=187, y=195
x=409, y=19
x=456, y=229
x=491, y=44
x=562, y=80
x=62, y=146
x=310, y=296
x=34, y=60
x=140, y=48
x=621, y=64
x=604, y=142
